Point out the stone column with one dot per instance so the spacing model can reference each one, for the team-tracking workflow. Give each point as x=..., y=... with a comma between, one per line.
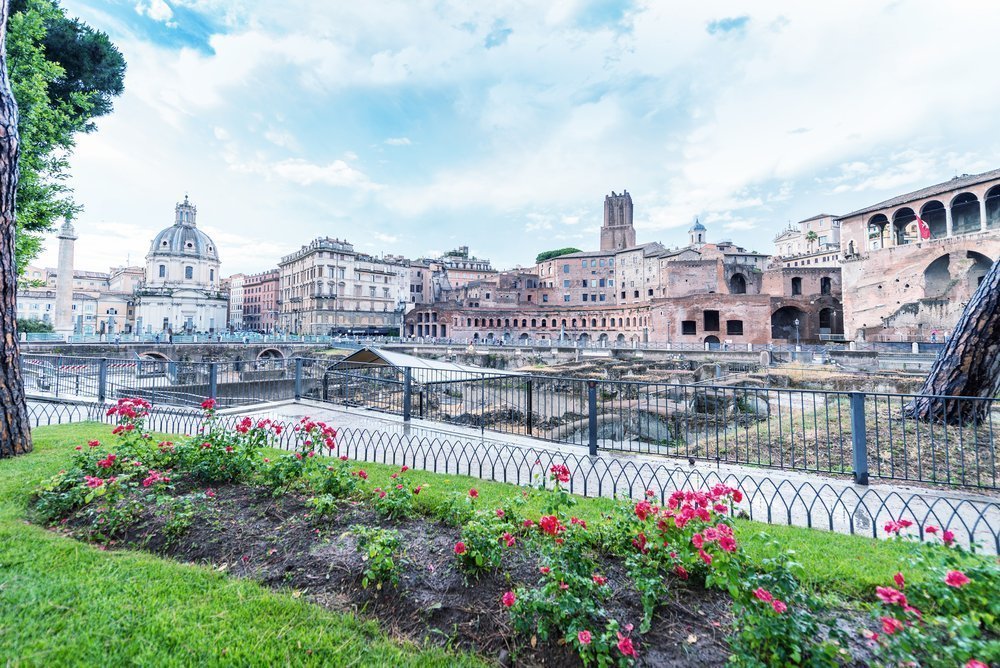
x=947, y=221
x=982, y=214
x=64, y=281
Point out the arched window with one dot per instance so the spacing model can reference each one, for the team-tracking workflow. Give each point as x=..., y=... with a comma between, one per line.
x=163, y=271
x=188, y=272
x=211, y=276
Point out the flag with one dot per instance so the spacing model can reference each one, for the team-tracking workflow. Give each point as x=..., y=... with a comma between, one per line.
x=925, y=231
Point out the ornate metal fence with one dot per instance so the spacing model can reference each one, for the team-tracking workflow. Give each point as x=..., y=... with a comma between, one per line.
x=820, y=504
x=740, y=422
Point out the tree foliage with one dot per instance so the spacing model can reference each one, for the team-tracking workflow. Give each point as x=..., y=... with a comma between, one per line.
x=31, y=325
x=548, y=255
x=64, y=74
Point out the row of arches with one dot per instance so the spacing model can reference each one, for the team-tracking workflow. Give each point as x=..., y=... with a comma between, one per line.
x=582, y=338
x=790, y=322
x=966, y=213
x=555, y=323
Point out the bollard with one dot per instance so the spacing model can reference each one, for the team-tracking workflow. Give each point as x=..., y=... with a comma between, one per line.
x=859, y=438
x=592, y=416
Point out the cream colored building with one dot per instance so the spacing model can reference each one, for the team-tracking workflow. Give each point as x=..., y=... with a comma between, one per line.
x=327, y=287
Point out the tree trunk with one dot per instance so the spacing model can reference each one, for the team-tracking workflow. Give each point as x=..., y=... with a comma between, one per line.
x=15, y=430
x=969, y=365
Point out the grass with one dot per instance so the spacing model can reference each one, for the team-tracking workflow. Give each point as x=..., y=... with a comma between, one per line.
x=63, y=602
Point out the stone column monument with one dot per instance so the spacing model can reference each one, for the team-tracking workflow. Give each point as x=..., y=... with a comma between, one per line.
x=64, y=281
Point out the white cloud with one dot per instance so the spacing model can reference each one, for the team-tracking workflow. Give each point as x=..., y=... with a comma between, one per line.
x=158, y=10
x=286, y=116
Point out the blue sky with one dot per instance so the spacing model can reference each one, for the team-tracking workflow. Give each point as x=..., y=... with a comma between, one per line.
x=416, y=126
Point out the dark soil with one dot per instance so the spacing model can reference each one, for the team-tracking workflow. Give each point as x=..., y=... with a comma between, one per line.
x=249, y=533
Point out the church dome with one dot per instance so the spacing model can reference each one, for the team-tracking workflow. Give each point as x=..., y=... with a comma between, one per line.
x=183, y=238
x=697, y=227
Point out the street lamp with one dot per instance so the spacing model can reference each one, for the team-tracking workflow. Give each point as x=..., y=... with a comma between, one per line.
x=796, y=334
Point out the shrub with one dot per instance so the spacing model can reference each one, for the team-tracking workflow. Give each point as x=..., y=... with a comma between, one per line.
x=396, y=501
x=335, y=479
x=776, y=622
x=219, y=455
x=381, y=555
x=950, y=617
x=480, y=546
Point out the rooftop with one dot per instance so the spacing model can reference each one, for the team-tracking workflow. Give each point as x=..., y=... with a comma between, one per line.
x=956, y=183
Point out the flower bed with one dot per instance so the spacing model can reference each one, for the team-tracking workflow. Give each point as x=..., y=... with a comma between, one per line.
x=661, y=584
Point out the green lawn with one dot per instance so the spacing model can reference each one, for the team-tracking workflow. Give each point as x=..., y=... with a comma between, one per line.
x=65, y=602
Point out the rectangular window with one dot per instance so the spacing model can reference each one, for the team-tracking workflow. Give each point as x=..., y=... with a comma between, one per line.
x=602, y=262
x=636, y=295
x=611, y=282
x=689, y=327
x=734, y=327
x=565, y=298
x=584, y=297
x=585, y=282
x=602, y=297
x=711, y=321
x=601, y=283
x=651, y=292
x=566, y=283
x=623, y=294
x=584, y=263
x=593, y=263
x=565, y=268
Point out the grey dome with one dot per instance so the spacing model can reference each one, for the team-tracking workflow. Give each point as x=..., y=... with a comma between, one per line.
x=183, y=238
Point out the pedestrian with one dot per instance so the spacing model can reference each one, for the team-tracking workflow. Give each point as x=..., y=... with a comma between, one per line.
x=934, y=336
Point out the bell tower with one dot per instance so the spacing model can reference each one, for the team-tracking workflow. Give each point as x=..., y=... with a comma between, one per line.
x=617, y=232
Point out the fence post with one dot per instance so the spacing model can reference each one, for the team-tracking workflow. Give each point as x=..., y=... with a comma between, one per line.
x=407, y=393
x=213, y=379
x=326, y=387
x=530, y=404
x=298, y=378
x=592, y=417
x=58, y=374
x=859, y=438
x=102, y=379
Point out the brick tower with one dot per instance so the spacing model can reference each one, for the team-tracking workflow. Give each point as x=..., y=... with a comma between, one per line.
x=617, y=232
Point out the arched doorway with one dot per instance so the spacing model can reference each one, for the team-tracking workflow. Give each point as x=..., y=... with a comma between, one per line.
x=620, y=340
x=583, y=339
x=993, y=207
x=827, y=321
x=713, y=342
x=603, y=340
x=783, y=323
x=878, y=232
x=934, y=215
x=523, y=338
x=977, y=272
x=937, y=277
x=965, y=214
x=738, y=284
x=904, y=227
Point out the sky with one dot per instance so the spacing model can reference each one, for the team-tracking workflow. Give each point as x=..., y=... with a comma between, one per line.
x=416, y=126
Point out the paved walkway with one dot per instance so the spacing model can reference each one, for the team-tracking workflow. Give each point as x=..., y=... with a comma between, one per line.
x=771, y=495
